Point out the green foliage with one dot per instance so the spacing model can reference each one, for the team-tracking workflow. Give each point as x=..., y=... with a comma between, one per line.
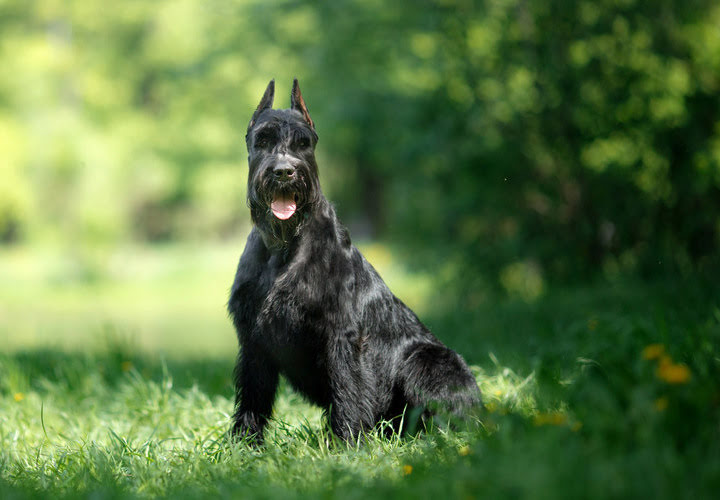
x=567, y=138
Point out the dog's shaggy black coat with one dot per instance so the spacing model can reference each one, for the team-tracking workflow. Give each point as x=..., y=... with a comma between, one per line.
x=306, y=303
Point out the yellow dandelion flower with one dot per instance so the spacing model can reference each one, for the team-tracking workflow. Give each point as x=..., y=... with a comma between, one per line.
x=554, y=418
x=464, y=451
x=407, y=470
x=653, y=351
x=661, y=404
x=673, y=373
x=498, y=392
x=126, y=366
x=19, y=396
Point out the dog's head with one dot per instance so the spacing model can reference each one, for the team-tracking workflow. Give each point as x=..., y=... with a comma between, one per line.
x=283, y=178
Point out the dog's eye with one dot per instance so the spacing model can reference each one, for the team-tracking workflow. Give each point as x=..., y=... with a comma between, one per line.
x=303, y=143
x=262, y=143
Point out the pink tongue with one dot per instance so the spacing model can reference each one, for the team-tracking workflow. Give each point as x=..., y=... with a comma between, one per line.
x=283, y=208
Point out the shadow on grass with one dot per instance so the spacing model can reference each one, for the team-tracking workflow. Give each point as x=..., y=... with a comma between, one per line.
x=570, y=323
x=39, y=370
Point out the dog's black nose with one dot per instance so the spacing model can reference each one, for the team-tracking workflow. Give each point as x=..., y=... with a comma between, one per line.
x=284, y=171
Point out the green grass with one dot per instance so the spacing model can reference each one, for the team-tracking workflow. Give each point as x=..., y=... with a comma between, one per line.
x=115, y=382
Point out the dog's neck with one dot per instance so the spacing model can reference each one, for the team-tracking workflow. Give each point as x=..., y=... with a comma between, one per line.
x=282, y=236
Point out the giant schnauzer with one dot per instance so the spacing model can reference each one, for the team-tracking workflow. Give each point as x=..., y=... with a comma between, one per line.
x=306, y=303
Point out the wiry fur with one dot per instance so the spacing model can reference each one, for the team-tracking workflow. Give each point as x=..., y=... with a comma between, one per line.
x=306, y=303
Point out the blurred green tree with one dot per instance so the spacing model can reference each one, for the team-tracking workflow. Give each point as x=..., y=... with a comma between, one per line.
x=522, y=141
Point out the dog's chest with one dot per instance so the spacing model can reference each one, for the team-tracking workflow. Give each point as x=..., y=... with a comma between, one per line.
x=289, y=315
x=292, y=331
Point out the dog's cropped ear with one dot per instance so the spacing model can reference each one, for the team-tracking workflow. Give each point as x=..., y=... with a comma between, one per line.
x=265, y=103
x=298, y=103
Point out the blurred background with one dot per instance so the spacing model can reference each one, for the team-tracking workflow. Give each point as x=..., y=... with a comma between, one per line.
x=477, y=150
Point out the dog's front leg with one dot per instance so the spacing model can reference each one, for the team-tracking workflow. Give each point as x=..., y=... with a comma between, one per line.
x=352, y=393
x=256, y=381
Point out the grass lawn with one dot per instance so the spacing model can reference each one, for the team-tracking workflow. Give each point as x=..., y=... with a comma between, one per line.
x=115, y=382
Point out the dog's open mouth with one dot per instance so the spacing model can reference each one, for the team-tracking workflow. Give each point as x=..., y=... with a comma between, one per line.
x=284, y=205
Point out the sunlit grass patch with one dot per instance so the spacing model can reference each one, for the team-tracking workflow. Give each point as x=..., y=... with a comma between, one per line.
x=83, y=430
x=504, y=390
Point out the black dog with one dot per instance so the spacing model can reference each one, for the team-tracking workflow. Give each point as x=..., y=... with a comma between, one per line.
x=307, y=304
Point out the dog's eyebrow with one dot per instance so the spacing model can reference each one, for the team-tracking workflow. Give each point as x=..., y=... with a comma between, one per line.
x=265, y=126
x=300, y=134
x=267, y=130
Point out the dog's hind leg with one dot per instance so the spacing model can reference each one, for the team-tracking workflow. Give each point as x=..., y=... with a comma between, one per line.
x=434, y=375
x=353, y=403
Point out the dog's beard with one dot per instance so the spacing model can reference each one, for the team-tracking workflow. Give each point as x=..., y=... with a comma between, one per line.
x=285, y=200
x=279, y=208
